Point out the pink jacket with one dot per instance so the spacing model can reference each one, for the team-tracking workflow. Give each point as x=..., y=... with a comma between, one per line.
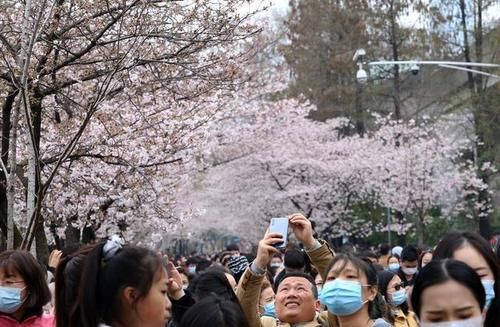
x=34, y=321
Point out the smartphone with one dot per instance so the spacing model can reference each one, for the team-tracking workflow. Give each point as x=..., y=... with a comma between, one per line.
x=280, y=226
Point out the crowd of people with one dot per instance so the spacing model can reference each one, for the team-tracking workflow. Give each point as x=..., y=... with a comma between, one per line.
x=454, y=284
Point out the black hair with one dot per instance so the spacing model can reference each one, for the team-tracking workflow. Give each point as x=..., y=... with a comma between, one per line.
x=384, y=249
x=281, y=278
x=384, y=278
x=213, y=311
x=368, y=254
x=220, y=268
x=294, y=259
x=409, y=253
x=441, y=271
x=192, y=261
x=202, y=265
x=103, y=281
x=23, y=263
x=454, y=241
x=233, y=247
x=376, y=308
x=212, y=283
x=67, y=280
x=393, y=256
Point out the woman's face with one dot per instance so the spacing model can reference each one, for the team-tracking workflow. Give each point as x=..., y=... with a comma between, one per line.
x=473, y=258
x=11, y=278
x=266, y=296
x=449, y=301
x=154, y=309
x=185, y=281
x=352, y=273
x=393, y=260
x=426, y=258
x=319, y=282
x=393, y=286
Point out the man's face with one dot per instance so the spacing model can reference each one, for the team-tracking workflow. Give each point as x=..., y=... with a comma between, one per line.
x=409, y=267
x=295, y=302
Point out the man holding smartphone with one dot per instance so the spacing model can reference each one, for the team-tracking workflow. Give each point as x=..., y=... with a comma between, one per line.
x=296, y=295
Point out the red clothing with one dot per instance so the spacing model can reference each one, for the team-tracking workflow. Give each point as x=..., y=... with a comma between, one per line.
x=33, y=321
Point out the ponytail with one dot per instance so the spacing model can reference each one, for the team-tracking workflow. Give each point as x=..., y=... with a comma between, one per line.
x=108, y=270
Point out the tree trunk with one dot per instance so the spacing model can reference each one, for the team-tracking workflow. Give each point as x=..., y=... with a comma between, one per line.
x=6, y=131
x=419, y=227
x=475, y=85
x=396, y=82
x=41, y=245
x=11, y=178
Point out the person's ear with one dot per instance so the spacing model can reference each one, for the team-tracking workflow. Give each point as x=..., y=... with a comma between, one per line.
x=372, y=293
x=317, y=306
x=129, y=295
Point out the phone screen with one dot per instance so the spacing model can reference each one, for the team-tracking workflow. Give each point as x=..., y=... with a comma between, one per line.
x=280, y=226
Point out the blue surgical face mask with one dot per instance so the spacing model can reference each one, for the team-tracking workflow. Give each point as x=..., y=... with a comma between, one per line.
x=269, y=310
x=10, y=299
x=398, y=297
x=409, y=271
x=192, y=270
x=471, y=322
x=394, y=267
x=342, y=297
x=489, y=289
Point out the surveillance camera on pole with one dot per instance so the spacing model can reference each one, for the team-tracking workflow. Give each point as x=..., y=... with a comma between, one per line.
x=359, y=55
x=415, y=69
x=361, y=75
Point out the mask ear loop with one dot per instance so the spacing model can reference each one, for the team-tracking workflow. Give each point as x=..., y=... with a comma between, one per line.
x=367, y=300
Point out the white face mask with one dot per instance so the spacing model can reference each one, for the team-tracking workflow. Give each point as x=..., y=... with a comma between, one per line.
x=471, y=322
x=409, y=271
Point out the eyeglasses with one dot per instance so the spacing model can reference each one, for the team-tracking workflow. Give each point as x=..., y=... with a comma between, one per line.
x=399, y=286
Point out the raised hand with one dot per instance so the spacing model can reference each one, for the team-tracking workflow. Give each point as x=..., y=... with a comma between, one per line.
x=54, y=258
x=266, y=249
x=174, y=284
x=302, y=229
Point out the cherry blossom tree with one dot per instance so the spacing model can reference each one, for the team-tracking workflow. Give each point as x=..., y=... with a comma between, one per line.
x=291, y=163
x=103, y=106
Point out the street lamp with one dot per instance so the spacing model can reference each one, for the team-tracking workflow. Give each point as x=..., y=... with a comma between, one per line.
x=362, y=75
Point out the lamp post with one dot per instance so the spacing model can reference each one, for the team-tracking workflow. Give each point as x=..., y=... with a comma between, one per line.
x=362, y=75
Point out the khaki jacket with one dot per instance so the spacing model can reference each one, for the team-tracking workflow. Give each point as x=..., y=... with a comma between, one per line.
x=248, y=293
x=402, y=320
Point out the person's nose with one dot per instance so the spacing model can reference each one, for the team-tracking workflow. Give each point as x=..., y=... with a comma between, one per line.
x=168, y=304
x=292, y=293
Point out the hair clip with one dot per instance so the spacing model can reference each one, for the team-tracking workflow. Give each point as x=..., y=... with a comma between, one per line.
x=112, y=247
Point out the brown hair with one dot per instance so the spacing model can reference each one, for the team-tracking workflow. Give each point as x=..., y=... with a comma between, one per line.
x=68, y=275
x=24, y=264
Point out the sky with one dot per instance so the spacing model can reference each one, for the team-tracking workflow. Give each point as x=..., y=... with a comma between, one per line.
x=281, y=6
